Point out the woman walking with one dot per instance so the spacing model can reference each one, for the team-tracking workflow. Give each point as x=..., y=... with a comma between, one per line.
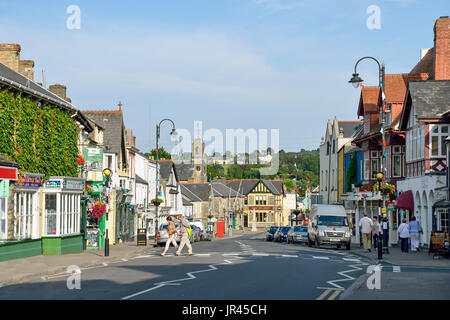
x=414, y=229
x=403, y=230
x=171, y=230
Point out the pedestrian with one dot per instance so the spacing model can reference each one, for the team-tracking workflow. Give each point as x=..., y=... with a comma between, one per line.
x=171, y=231
x=366, y=226
x=403, y=231
x=376, y=232
x=414, y=230
x=185, y=238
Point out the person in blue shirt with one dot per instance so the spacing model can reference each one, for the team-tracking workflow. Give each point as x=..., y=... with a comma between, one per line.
x=414, y=230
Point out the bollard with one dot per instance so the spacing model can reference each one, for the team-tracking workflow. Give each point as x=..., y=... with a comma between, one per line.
x=380, y=248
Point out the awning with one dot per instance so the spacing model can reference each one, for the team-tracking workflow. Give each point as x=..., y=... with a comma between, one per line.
x=405, y=201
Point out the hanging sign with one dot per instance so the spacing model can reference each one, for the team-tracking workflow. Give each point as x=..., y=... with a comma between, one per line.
x=4, y=188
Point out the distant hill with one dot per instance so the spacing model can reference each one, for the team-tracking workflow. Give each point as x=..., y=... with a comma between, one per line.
x=307, y=165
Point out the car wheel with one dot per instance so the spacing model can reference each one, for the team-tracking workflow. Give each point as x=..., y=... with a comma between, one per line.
x=310, y=243
x=338, y=246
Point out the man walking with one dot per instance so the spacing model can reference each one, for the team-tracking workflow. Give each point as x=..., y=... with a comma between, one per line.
x=185, y=237
x=366, y=226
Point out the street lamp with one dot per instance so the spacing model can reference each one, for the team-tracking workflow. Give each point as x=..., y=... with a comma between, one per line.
x=173, y=133
x=356, y=81
x=379, y=177
x=107, y=173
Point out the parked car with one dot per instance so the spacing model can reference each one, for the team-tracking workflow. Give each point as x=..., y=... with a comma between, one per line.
x=281, y=234
x=328, y=225
x=196, y=233
x=298, y=234
x=270, y=233
x=199, y=224
x=163, y=235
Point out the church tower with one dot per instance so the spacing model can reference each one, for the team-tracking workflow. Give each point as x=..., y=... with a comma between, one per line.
x=198, y=156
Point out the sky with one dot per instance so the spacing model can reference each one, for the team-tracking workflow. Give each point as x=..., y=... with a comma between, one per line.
x=249, y=64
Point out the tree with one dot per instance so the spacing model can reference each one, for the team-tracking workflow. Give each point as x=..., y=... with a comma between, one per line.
x=163, y=154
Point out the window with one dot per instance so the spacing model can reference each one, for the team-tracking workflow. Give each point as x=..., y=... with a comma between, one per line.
x=334, y=146
x=366, y=169
x=388, y=114
x=62, y=214
x=23, y=215
x=374, y=167
x=3, y=216
x=245, y=200
x=438, y=136
x=397, y=163
x=443, y=219
x=50, y=214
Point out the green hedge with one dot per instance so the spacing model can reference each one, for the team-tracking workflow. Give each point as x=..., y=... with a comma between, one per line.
x=41, y=139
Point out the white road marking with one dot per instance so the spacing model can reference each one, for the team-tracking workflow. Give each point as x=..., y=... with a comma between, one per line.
x=350, y=259
x=261, y=254
x=289, y=256
x=105, y=264
x=396, y=269
x=320, y=257
x=123, y=259
x=202, y=254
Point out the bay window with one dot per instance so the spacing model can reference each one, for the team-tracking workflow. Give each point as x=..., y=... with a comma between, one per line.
x=438, y=134
x=61, y=214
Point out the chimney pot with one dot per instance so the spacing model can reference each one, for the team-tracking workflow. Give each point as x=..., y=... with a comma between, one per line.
x=59, y=90
x=10, y=55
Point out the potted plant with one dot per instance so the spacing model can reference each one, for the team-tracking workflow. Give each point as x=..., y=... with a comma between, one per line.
x=99, y=210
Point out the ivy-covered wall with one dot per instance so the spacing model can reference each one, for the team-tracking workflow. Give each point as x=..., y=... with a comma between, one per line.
x=41, y=139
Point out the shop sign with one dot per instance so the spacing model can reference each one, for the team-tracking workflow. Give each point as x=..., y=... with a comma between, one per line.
x=260, y=208
x=53, y=184
x=142, y=237
x=390, y=206
x=8, y=173
x=30, y=180
x=94, y=159
x=73, y=184
x=4, y=188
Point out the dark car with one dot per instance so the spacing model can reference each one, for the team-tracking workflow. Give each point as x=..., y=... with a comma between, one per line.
x=281, y=234
x=270, y=233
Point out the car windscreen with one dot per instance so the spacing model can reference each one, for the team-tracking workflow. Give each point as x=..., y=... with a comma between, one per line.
x=336, y=221
x=301, y=229
x=285, y=229
x=273, y=229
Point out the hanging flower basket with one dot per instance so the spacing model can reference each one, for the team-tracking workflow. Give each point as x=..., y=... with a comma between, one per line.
x=88, y=189
x=156, y=202
x=385, y=188
x=99, y=210
x=80, y=161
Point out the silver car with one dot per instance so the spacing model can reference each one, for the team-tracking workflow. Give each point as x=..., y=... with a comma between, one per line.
x=298, y=234
x=163, y=235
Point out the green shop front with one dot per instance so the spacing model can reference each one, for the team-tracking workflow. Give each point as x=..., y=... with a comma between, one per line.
x=95, y=220
x=126, y=215
x=61, y=232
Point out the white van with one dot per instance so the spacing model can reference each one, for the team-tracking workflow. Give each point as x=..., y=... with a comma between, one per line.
x=199, y=223
x=328, y=224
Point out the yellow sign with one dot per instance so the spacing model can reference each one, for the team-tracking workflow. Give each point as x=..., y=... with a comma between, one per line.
x=383, y=210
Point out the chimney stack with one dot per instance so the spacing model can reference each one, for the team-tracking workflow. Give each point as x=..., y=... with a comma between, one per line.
x=10, y=55
x=442, y=49
x=59, y=90
x=26, y=68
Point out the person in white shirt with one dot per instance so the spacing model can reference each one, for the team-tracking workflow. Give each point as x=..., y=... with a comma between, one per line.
x=366, y=226
x=376, y=232
x=403, y=231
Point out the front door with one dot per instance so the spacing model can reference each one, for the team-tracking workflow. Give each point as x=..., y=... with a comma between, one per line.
x=246, y=220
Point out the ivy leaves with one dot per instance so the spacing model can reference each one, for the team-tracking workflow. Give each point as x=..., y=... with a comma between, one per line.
x=41, y=139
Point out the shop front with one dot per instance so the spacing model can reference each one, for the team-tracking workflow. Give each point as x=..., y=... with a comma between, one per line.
x=95, y=215
x=61, y=229
x=125, y=217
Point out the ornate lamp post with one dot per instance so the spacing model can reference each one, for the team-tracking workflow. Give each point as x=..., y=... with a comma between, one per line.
x=173, y=133
x=379, y=177
x=356, y=81
x=107, y=183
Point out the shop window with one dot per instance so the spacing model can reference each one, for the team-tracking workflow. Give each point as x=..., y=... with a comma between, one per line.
x=23, y=215
x=443, y=219
x=50, y=214
x=3, y=215
x=62, y=219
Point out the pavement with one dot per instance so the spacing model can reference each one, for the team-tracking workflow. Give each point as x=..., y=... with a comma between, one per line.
x=414, y=276
x=19, y=270
x=397, y=257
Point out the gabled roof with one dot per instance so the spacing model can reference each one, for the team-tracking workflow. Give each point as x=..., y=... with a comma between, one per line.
x=195, y=191
x=349, y=127
x=274, y=186
x=396, y=85
x=369, y=100
x=219, y=189
x=184, y=171
x=165, y=167
x=431, y=100
x=114, y=128
x=426, y=64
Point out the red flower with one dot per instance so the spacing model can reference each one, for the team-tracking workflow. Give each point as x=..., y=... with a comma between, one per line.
x=80, y=160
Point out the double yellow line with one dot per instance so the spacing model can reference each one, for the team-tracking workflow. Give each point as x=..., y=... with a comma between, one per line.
x=331, y=297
